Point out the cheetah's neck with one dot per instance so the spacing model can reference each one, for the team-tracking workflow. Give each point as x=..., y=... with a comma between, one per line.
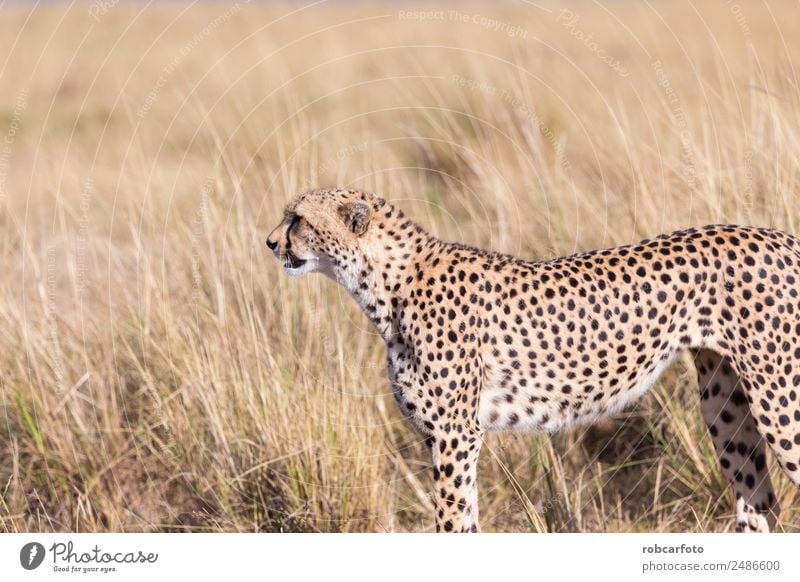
x=394, y=259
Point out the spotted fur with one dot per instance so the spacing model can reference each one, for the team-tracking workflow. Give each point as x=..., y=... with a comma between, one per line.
x=481, y=341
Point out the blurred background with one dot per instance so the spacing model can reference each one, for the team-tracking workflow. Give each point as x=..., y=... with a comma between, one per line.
x=158, y=372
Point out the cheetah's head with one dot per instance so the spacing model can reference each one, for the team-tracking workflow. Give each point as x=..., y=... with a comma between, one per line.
x=325, y=231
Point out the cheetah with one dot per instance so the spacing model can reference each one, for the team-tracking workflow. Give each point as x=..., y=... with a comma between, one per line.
x=481, y=341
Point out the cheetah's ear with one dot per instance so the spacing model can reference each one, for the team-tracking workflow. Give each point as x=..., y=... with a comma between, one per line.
x=356, y=216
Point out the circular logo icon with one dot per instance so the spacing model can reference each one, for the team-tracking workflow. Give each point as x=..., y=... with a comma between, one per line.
x=31, y=555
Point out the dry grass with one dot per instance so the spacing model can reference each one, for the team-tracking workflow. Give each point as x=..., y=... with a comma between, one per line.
x=158, y=372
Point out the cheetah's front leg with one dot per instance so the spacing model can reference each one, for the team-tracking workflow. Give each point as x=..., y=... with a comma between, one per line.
x=455, y=471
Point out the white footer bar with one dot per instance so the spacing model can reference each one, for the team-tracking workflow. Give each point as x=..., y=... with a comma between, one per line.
x=373, y=557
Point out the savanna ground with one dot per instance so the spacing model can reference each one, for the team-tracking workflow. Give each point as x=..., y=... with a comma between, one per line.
x=158, y=372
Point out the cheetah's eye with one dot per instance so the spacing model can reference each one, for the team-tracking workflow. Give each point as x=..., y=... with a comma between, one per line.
x=295, y=222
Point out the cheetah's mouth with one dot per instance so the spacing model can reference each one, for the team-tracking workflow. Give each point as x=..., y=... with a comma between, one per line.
x=290, y=261
x=294, y=265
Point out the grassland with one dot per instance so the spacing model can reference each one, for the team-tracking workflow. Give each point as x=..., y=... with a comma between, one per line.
x=157, y=370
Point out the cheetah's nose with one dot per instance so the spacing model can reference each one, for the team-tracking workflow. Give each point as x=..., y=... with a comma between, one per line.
x=271, y=244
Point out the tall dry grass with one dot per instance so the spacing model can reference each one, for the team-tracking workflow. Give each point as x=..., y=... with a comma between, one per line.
x=159, y=372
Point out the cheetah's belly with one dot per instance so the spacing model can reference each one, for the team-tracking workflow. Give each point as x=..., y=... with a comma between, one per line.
x=508, y=406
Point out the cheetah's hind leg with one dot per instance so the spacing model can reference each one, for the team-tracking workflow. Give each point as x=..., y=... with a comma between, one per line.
x=739, y=446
